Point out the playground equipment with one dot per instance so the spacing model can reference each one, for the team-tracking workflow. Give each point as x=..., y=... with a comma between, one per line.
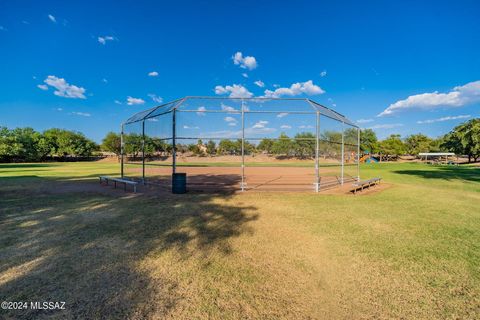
x=367, y=158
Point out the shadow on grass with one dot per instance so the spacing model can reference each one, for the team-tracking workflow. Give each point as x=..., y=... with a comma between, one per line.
x=89, y=250
x=445, y=173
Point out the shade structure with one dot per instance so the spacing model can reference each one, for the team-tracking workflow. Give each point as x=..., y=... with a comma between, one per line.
x=241, y=144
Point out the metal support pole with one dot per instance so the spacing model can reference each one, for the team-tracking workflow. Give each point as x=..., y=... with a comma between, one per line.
x=358, y=154
x=143, y=151
x=343, y=153
x=174, y=144
x=122, y=150
x=243, y=147
x=317, y=147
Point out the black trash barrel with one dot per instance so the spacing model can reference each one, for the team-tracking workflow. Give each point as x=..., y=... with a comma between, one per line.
x=179, y=183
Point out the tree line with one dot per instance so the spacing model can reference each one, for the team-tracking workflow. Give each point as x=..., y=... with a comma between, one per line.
x=26, y=144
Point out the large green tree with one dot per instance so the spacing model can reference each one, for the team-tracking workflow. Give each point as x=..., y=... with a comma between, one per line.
x=416, y=143
x=392, y=147
x=465, y=139
x=368, y=141
x=112, y=143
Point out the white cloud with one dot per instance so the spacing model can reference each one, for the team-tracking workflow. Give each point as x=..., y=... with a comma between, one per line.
x=247, y=62
x=155, y=98
x=52, y=18
x=103, y=40
x=458, y=97
x=64, y=89
x=307, y=87
x=276, y=85
x=244, y=75
x=323, y=73
x=43, y=86
x=364, y=120
x=386, y=126
x=134, y=101
x=153, y=119
x=466, y=116
x=305, y=127
x=260, y=83
x=227, y=108
x=285, y=126
x=260, y=124
x=153, y=74
x=188, y=127
x=236, y=91
x=82, y=114
x=282, y=114
x=118, y=102
x=201, y=111
x=231, y=121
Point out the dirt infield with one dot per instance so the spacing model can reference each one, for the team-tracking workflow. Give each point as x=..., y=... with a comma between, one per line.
x=208, y=178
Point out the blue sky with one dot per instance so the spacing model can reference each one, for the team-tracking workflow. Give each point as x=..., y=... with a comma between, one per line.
x=398, y=67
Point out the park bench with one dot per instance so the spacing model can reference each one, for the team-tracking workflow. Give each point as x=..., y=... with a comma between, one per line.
x=360, y=185
x=119, y=180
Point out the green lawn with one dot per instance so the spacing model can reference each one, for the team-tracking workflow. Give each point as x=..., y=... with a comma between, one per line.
x=411, y=251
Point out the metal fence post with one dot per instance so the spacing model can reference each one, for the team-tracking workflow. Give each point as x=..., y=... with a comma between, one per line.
x=317, y=146
x=358, y=154
x=343, y=153
x=122, y=150
x=143, y=151
x=174, y=143
x=243, y=147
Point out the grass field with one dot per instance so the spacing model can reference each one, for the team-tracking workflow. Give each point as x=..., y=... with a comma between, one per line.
x=411, y=251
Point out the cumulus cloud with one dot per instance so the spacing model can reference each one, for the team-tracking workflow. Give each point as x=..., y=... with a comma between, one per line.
x=466, y=116
x=134, y=101
x=260, y=83
x=282, y=114
x=52, y=18
x=153, y=74
x=117, y=102
x=458, y=97
x=63, y=88
x=188, y=127
x=246, y=62
x=103, y=40
x=231, y=121
x=260, y=124
x=235, y=91
x=323, y=73
x=155, y=98
x=244, y=75
x=386, y=126
x=82, y=114
x=285, y=126
x=307, y=87
x=43, y=86
x=364, y=120
x=227, y=108
x=201, y=111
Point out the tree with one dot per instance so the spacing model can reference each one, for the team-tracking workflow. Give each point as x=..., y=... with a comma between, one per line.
x=465, y=139
x=393, y=146
x=112, y=143
x=304, y=144
x=132, y=144
x=416, y=143
x=266, y=145
x=283, y=145
x=211, y=147
x=368, y=141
